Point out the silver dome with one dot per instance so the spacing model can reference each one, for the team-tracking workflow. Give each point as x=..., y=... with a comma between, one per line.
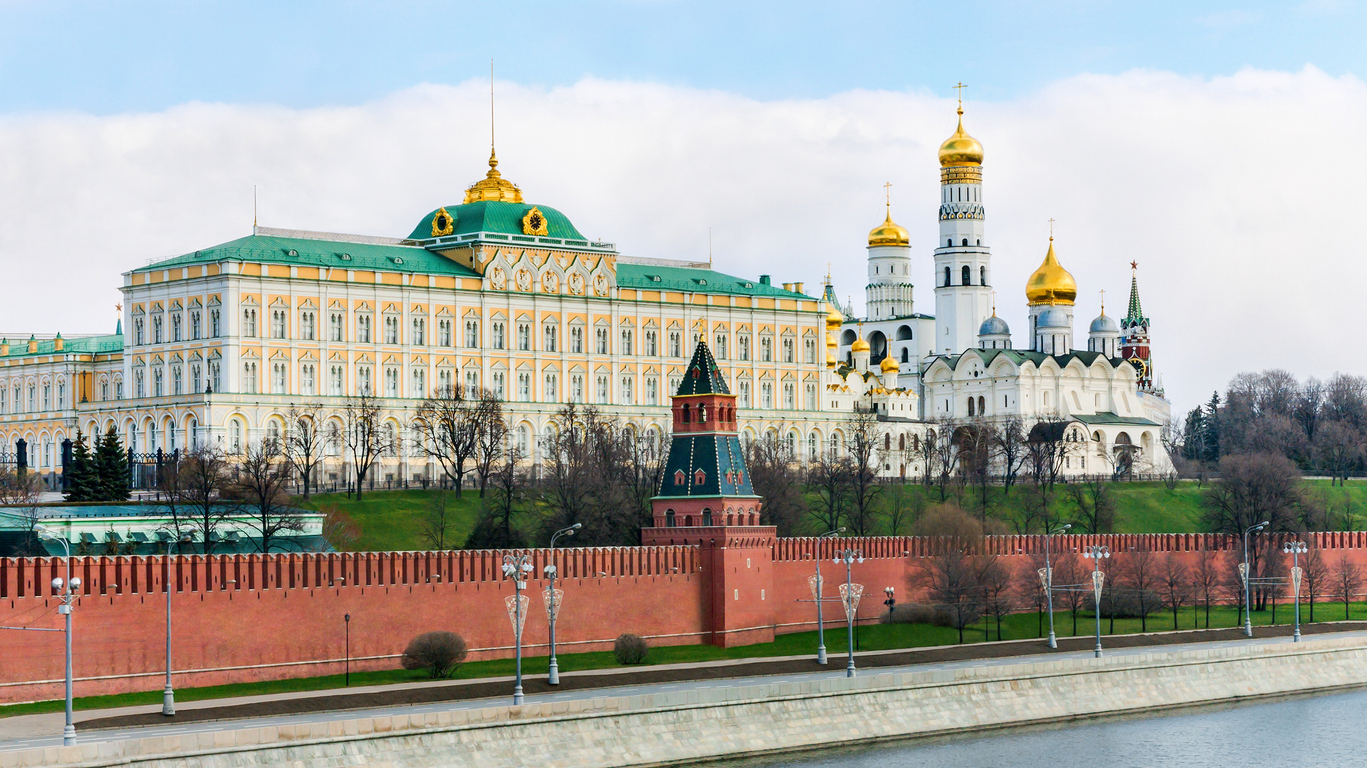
x=994, y=326
x=1104, y=324
x=1052, y=317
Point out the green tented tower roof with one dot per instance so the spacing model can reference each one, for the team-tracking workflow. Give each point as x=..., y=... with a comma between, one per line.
x=703, y=377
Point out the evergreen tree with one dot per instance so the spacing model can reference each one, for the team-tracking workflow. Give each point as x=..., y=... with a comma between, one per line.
x=111, y=463
x=1194, y=432
x=1211, y=439
x=82, y=477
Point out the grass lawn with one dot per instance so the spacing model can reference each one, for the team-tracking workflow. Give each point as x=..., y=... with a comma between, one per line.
x=870, y=638
x=393, y=520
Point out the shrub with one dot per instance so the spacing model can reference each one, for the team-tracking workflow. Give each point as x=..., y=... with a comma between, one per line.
x=438, y=652
x=630, y=649
x=911, y=613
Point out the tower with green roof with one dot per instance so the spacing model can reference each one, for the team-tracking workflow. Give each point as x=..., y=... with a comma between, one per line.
x=1134, y=337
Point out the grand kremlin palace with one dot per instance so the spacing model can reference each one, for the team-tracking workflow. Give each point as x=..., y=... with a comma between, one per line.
x=214, y=347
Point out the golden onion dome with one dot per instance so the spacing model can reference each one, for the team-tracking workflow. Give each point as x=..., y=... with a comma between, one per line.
x=889, y=365
x=960, y=149
x=889, y=233
x=859, y=345
x=1051, y=283
x=834, y=319
x=493, y=187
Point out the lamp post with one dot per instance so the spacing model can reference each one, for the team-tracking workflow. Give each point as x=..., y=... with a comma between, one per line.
x=553, y=599
x=1243, y=568
x=849, y=595
x=1097, y=553
x=516, y=567
x=891, y=602
x=168, y=695
x=817, y=588
x=346, y=620
x=66, y=590
x=1296, y=549
x=1048, y=578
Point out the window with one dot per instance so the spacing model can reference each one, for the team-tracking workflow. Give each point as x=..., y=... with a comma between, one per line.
x=789, y=396
x=419, y=336
x=444, y=331
x=213, y=323
x=364, y=385
x=967, y=273
x=391, y=329
x=719, y=349
x=652, y=343
x=965, y=242
x=743, y=346
x=652, y=391
x=335, y=324
x=577, y=340
x=766, y=349
x=248, y=322
x=576, y=388
x=602, y=386
x=175, y=327
x=472, y=334
x=176, y=383
x=675, y=344
x=215, y=376
x=809, y=351
x=194, y=325
x=156, y=387
x=499, y=385
x=47, y=392
x=278, y=378
x=982, y=275
x=363, y=329
x=278, y=324
x=61, y=392
x=308, y=326
x=391, y=382
x=196, y=380
x=308, y=379
x=810, y=395
x=947, y=277
x=336, y=381
x=156, y=329
x=498, y=334
x=744, y=390
x=524, y=387
x=601, y=336
x=419, y=383
x=626, y=342
x=550, y=391
x=137, y=331
x=524, y=337
x=548, y=333
x=472, y=384
x=788, y=350
x=766, y=391
x=628, y=390
x=250, y=384
x=445, y=380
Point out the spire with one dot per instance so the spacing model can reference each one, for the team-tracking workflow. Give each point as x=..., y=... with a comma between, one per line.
x=1136, y=313
x=493, y=187
x=703, y=377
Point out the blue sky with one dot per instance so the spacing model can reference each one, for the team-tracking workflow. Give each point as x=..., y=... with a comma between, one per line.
x=113, y=57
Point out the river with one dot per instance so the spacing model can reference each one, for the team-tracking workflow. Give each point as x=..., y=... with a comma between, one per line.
x=1325, y=730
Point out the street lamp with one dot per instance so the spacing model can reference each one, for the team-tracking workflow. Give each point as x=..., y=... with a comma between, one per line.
x=890, y=602
x=552, y=597
x=849, y=596
x=67, y=596
x=817, y=585
x=1097, y=553
x=1243, y=571
x=1296, y=549
x=1047, y=576
x=346, y=620
x=516, y=567
x=168, y=695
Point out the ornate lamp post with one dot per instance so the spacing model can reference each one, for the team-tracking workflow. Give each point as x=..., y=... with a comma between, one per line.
x=1047, y=578
x=168, y=695
x=67, y=595
x=1243, y=573
x=1296, y=549
x=1097, y=553
x=891, y=602
x=817, y=583
x=553, y=596
x=516, y=567
x=849, y=596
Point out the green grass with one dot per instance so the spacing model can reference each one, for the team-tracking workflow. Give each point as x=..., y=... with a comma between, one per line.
x=393, y=520
x=877, y=637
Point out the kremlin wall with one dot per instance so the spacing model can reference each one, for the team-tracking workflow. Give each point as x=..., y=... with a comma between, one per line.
x=255, y=617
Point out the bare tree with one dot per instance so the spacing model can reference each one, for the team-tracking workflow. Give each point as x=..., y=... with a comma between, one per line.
x=1253, y=488
x=447, y=426
x=1071, y=584
x=774, y=476
x=1345, y=578
x=1139, y=574
x=978, y=457
x=1174, y=578
x=261, y=488
x=945, y=455
x=340, y=529
x=1315, y=576
x=1339, y=446
x=1205, y=579
x=1009, y=437
x=491, y=438
x=994, y=580
x=584, y=464
x=19, y=495
x=828, y=480
x=1048, y=446
x=362, y=435
x=304, y=441
x=1095, y=507
x=437, y=521
x=203, y=480
x=950, y=579
x=497, y=528
x=901, y=510
x=864, y=460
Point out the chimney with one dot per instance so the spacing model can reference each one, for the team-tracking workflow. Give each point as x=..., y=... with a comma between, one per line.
x=798, y=287
x=764, y=280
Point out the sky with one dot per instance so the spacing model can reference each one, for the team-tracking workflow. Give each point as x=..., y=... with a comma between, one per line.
x=1219, y=145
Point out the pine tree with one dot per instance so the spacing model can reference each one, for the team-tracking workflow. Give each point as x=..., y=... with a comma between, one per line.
x=1194, y=432
x=111, y=468
x=1212, y=429
x=82, y=477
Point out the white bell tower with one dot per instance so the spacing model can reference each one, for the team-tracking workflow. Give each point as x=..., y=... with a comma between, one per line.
x=963, y=263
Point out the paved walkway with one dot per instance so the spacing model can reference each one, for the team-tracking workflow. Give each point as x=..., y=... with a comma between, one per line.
x=20, y=732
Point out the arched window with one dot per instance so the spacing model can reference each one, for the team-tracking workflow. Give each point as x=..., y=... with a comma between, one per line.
x=982, y=406
x=887, y=442
x=669, y=518
x=902, y=442
x=971, y=407
x=967, y=275
x=979, y=241
x=947, y=283
x=906, y=355
x=949, y=243
x=679, y=477
x=982, y=275
x=965, y=242
x=686, y=416
x=699, y=477
x=707, y=517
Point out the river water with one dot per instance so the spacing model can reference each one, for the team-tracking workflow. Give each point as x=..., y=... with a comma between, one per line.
x=1327, y=730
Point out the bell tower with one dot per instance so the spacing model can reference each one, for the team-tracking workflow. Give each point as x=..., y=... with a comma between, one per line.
x=963, y=263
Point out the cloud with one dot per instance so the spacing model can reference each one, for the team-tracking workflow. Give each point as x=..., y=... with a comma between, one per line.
x=1239, y=196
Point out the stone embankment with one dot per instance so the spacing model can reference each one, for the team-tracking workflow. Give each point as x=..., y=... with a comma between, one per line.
x=687, y=727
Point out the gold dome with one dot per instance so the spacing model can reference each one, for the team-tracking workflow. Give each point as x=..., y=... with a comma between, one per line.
x=960, y=149
x=1051, y=283
x=493, y=187
x=859, y=345
x=889, y=233
x=834, y=319
x=889, y=365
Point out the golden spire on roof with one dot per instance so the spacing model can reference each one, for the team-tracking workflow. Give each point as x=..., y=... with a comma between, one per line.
x=493, y=187
x=1051, y=283
x=960, y=149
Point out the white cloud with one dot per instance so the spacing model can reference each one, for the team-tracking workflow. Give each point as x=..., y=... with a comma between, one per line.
x=1240, y=196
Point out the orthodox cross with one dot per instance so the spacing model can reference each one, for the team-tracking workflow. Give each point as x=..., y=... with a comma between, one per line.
x=887, y=190
x=1103, y=300
x=1051, y=229
x=960, y=88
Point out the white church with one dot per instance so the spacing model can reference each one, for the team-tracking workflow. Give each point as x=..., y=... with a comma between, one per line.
x=962, y=364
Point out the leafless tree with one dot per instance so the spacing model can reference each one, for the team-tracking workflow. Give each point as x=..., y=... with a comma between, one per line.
x=1345, y=578
x=1315, y=576
x=1339, y=446
x=1139, y=573
x=1070, y=584
x=865, y=434
x=340, y=529
x=1010, y=447
x=203, y=485
x=497, y=527
x=304, y=441
x=363, y=435
x=774, y=476
x=978, y=457
x=828, y=480
x=1205, y=579
x=1093, y=503
x=261, y=488
x=19, y=495
x=994, y=580
x=437, y=521
x=950, y=579
x=1253, y=488
x=584, y=465
x=900, y=508
x=491, y=438
x=447, y=427
x=1174, y=579
x=945, y=454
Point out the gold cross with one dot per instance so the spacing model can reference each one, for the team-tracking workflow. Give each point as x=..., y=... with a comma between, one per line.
x=887, y=190
x=828, y=273
x=1103, y=301
x=960, y=88
x=1051, y=229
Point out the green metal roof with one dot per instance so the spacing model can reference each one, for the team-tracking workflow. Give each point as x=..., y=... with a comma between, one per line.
x=497, y=216
x=721, y=459
x=703, y=377
x=651, y=277
x=1106, y=418
x=78, y=345
x=321, y=253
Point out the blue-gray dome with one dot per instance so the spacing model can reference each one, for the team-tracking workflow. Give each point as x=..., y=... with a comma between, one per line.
x=1052, y=317
x=994, y=326
x=1104, y=324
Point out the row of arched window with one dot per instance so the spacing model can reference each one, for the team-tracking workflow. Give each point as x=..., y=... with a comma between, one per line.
x=966, y=276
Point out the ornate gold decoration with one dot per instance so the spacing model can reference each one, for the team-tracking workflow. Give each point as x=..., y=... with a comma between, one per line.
x=534, y=223
x=493, y=187
x=966, y=174
x=550, y=282
x=889, y=365
x=443, y=223
x=889, y=233
x=960, y=149
x=1051, y=283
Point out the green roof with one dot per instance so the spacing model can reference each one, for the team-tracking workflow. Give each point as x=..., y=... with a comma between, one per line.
x=322, y=253
x=1108, y=418
x=78, y=345
x=719, y=456
x=496, y=216
x=703, y=376
x=651, y=277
